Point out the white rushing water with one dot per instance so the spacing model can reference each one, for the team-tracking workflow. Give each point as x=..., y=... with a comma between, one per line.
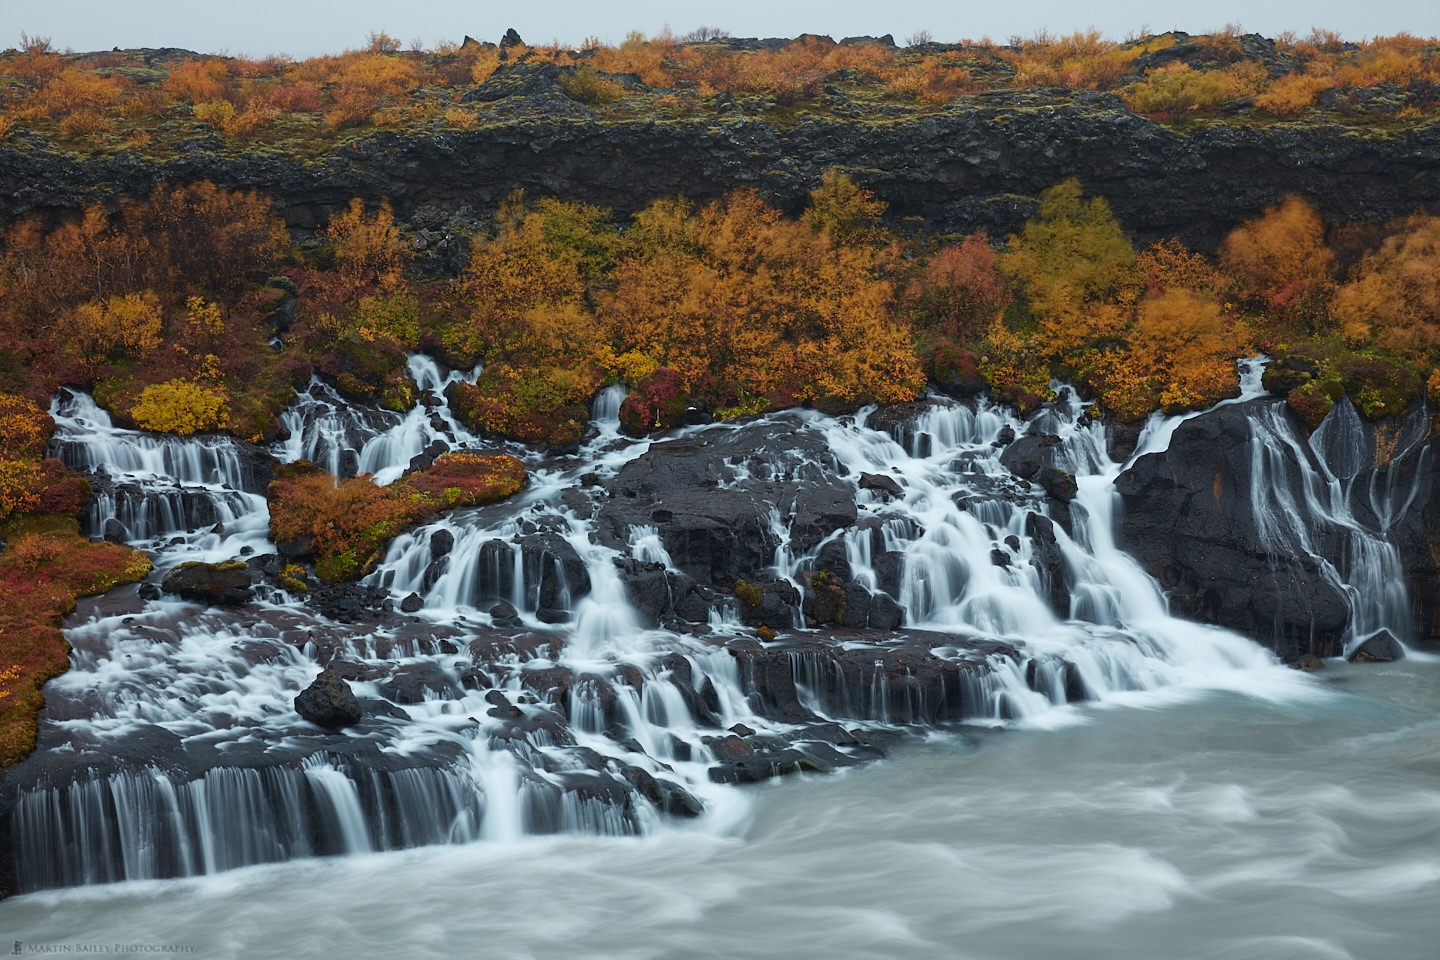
x=1226, y=826
x=176, y=750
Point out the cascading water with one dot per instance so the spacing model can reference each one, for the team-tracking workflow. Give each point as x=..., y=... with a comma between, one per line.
x=1293, y=519
x=545, y=679
x=347, y=438
x=154, y=488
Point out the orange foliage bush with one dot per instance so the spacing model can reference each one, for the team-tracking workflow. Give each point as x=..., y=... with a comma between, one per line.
x=1292, y=93
x=368, y=248
x=127, y=326
x=347, y=523
x=1394, y=298
x=1281, y=261
x=960, y=292
x=24, y=428
x=754, y=305
x=1178, y=88
x=200, y=81
x=363, y=83
x=1082, y=60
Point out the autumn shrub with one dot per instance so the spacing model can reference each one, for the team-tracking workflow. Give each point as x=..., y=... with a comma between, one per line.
x=1177, y=88
x=44, y=567
x=368, y=248
x=1311, y=401
x=1169, y=263
x=960, y=291
x=588, y=86
x=1281, y=263
x=466, y=480
x=303, y=97
x=1292, y=93
x=932, y=80
x=199, y=81
x=215, y=114
x=179, y=406
x=347, y=523
x=62, y=492
x=21, y=483
x=548, y=404
x=639, y=55
x=1394, y=297
x=1017, y=372
x=361, y=84
x=743, y=304
x=126, y=326
x=1186, y=345
x=24, y=428
x=656, y=402
x=1081, y=60
x=1073, y=251
x=1380, y=386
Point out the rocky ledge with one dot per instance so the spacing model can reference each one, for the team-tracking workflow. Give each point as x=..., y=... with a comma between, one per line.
x=977, y=164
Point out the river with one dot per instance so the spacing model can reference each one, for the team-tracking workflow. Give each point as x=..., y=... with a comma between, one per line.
x=1174, y=825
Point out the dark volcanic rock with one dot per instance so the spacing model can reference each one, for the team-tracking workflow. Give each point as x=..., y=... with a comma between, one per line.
x=882, y=484
x=329, y=702
x=1045, y=554
x=1058, y=484
x=1188, y=518
x=768, y=602
x=1032, y=453
x=975, y=165
x=1381, y=648
x=211, y=583
x=711, y=498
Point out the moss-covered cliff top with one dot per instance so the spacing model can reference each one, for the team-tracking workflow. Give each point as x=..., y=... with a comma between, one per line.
x=163, y=103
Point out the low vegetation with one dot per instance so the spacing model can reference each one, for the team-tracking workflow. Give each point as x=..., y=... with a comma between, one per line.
x=192, y=309
x=345, y=524
x=154, y=103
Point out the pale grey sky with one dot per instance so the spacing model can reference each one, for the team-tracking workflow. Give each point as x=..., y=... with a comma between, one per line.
x=306, y=27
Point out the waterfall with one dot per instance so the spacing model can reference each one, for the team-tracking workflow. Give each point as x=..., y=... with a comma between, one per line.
x=160, y=488
x=537, y=689
x=348, y=438
x=1300, y=501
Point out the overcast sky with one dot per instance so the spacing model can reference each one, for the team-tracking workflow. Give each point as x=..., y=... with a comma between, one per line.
x=306, y=27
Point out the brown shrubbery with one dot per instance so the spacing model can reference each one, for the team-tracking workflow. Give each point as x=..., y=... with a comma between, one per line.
x=94, y=100
x=347, y=523
x=44, y=566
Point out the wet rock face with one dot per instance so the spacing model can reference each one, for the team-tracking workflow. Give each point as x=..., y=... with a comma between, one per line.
x=974, y=166
x=329, y=702
x=1189, y=520
x=1381, y=648
x=1405, y=469
x=225, y=584
x=722, y=501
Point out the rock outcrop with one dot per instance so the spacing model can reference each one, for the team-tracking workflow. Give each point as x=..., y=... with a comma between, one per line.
x=329, y=702
x=1189, y=518
x=226, y=584
x=976, y=164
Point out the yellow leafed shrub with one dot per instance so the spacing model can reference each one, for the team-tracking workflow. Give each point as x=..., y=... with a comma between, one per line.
x=178, y=406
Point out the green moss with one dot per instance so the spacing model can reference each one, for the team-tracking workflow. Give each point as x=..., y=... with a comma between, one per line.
x=747, y=593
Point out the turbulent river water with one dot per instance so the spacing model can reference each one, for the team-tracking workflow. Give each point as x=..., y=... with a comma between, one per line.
x=1081, y=775
x=1175, y=826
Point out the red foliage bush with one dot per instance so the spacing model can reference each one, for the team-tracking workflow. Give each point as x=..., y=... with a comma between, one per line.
x=65, y=493
x=347, y=523
x=656, y=402
x=46, y=564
